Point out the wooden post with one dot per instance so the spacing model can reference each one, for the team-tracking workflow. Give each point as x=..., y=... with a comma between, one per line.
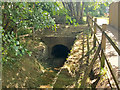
x=91, y=25
x=87, y=20
x=95, y=30
x=92, y=22
x=83, y=46
x=88, y=48
x=89, y=68
x=103, y=37
x=95, y=27
x=103, y=46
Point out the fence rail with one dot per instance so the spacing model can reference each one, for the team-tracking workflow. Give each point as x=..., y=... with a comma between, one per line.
x=93, y=26
x=107, y=37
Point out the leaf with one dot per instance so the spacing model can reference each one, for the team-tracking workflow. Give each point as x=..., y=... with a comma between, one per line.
x=17, y=43
x=23, y=51
x=105, y=4
x=29, y=53
x=16, y=48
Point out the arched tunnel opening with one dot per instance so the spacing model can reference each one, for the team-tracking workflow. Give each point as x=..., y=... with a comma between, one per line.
x=59, y=53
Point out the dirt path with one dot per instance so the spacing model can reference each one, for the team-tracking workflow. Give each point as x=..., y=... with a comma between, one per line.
x=101, y=21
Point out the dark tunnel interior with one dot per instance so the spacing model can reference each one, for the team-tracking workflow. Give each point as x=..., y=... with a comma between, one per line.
x=60, y=51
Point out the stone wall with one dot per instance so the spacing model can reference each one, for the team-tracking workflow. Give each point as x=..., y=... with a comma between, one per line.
x=52, y=41
x=60, y=19
x=114, y=15
x=119, y=16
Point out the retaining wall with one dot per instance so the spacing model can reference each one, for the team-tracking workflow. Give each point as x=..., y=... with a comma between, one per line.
x=114, y=15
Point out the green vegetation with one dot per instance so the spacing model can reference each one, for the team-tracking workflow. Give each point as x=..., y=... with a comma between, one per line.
x=22, y=20
x=97, y=9
x=17, y=18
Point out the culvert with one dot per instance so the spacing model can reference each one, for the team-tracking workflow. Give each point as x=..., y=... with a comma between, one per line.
x=60, y=51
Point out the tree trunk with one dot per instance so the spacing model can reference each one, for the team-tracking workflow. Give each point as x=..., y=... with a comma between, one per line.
x=78, y=11
x=73, y=9
x=67, y=5
x=86, y=7
x=64, y=4
x=86, y=13
x=82, y=11
x=70, y=5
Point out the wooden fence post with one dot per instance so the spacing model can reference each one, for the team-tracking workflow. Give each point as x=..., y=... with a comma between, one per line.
x=88, y=48
x=83, y=45
x=87, y=20
x=95, y=30
x=103, y=37
x=92, y=22
x=89, y=68
x=103, y=46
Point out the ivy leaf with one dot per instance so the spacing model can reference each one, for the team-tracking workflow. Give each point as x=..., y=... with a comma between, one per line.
x=29, y=53
x=17, y=43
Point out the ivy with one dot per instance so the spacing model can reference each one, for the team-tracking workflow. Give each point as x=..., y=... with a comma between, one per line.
x=22, y=15
x=12, y=48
